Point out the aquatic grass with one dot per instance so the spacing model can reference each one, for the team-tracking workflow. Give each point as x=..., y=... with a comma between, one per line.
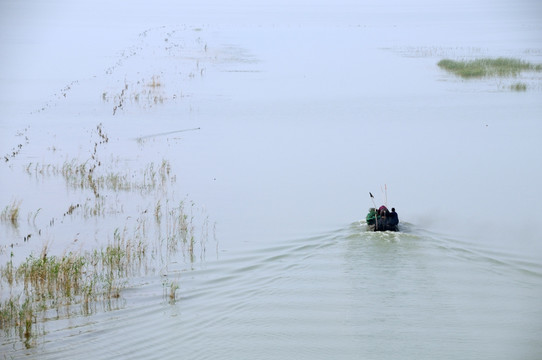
x=31, y=218
x=98, y=176
x=73, y=279
x=155, y=82
x=11, y=213
x=487, y=67
x=145, y=93
x=519, y=86
x=8, y=272
x=78, y=282
x=170, y=290
x=81, y=175
x=9, y=310
x=20, y=317
x=17, y=149
x=51, y=277
x=180, y=230
x=50, y=281
x=158, y=212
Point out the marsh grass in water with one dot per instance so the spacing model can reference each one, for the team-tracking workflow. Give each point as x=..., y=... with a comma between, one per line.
x=98, y=176
x=145, y=93
x=11, y=212
x=77, y=282
x=519, y=86
x=81, y=175
x=170, y=290
x=19, y=316
x=487, y=67
x=53, y=285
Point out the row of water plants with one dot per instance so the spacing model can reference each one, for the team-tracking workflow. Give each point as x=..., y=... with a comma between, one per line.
x=86, y=175
x=93, y=174
x=485, y=67
x=49, y=285
x=79, y=282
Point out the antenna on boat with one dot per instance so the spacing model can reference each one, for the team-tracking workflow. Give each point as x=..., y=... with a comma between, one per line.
x=376, y=217
x=385, y=191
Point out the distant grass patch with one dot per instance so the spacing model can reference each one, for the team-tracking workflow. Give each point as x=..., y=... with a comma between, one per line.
x=487, y=67
x=518, y=87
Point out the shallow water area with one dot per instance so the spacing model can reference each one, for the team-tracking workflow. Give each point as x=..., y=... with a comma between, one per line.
x=209, y=163
x=337, y=294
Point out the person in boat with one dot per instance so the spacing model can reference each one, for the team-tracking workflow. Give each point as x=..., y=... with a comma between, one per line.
x=383, y=218
x=393, y=218
x=371, y=216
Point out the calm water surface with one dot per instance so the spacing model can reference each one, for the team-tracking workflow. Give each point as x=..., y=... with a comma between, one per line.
x=343, y=294
x=277, y=120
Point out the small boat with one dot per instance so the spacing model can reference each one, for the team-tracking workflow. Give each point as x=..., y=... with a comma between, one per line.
x=383, y=227
x=382, y=219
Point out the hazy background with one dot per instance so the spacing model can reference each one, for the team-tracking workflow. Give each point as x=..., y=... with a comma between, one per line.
x=301, y=108
x=325, y=102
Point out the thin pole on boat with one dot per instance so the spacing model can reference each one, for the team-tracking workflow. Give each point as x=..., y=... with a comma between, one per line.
x=376, y=214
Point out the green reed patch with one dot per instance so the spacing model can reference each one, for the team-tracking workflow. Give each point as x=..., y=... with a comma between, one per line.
x=487, y=67
x=51, y=277
x=77, y=282
x=19, y=316
x=70, y=282
x=519, y=86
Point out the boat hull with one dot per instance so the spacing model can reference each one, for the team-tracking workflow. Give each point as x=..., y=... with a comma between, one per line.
x=386, y=227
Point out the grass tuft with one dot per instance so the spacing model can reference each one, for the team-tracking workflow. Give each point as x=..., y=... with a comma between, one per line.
x=487, y=67
x=77, y=282
x=519, y=86
x=11, y=213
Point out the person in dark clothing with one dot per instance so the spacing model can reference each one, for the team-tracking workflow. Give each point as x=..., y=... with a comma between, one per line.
x=383, y=218
x=393, y=218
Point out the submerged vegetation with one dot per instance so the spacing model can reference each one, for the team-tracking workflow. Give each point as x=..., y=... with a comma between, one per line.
x=486, y=67
x=119, y=219
x=51, y=285
x=519, y=86
x=76, y=283
x=10, y=213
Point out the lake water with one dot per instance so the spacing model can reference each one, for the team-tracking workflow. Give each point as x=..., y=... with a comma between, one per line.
x=275, y=121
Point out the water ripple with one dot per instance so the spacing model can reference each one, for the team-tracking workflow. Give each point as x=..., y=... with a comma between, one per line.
x=347, y=293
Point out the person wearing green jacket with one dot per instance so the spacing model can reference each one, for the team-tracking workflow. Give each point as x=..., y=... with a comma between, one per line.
x=371, y=216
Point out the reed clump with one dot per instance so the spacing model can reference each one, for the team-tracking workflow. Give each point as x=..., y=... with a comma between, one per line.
x=76, y=282
x=20, y=316
x=486, y=67
x=51, y=277
x=82, y=175
x=519, y=86
x=155, y=82
x=70, y=282
x=170, y=290
x=11, y=212
x=145, y=93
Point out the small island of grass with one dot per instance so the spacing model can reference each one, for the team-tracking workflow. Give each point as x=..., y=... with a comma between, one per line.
x=488, y=67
